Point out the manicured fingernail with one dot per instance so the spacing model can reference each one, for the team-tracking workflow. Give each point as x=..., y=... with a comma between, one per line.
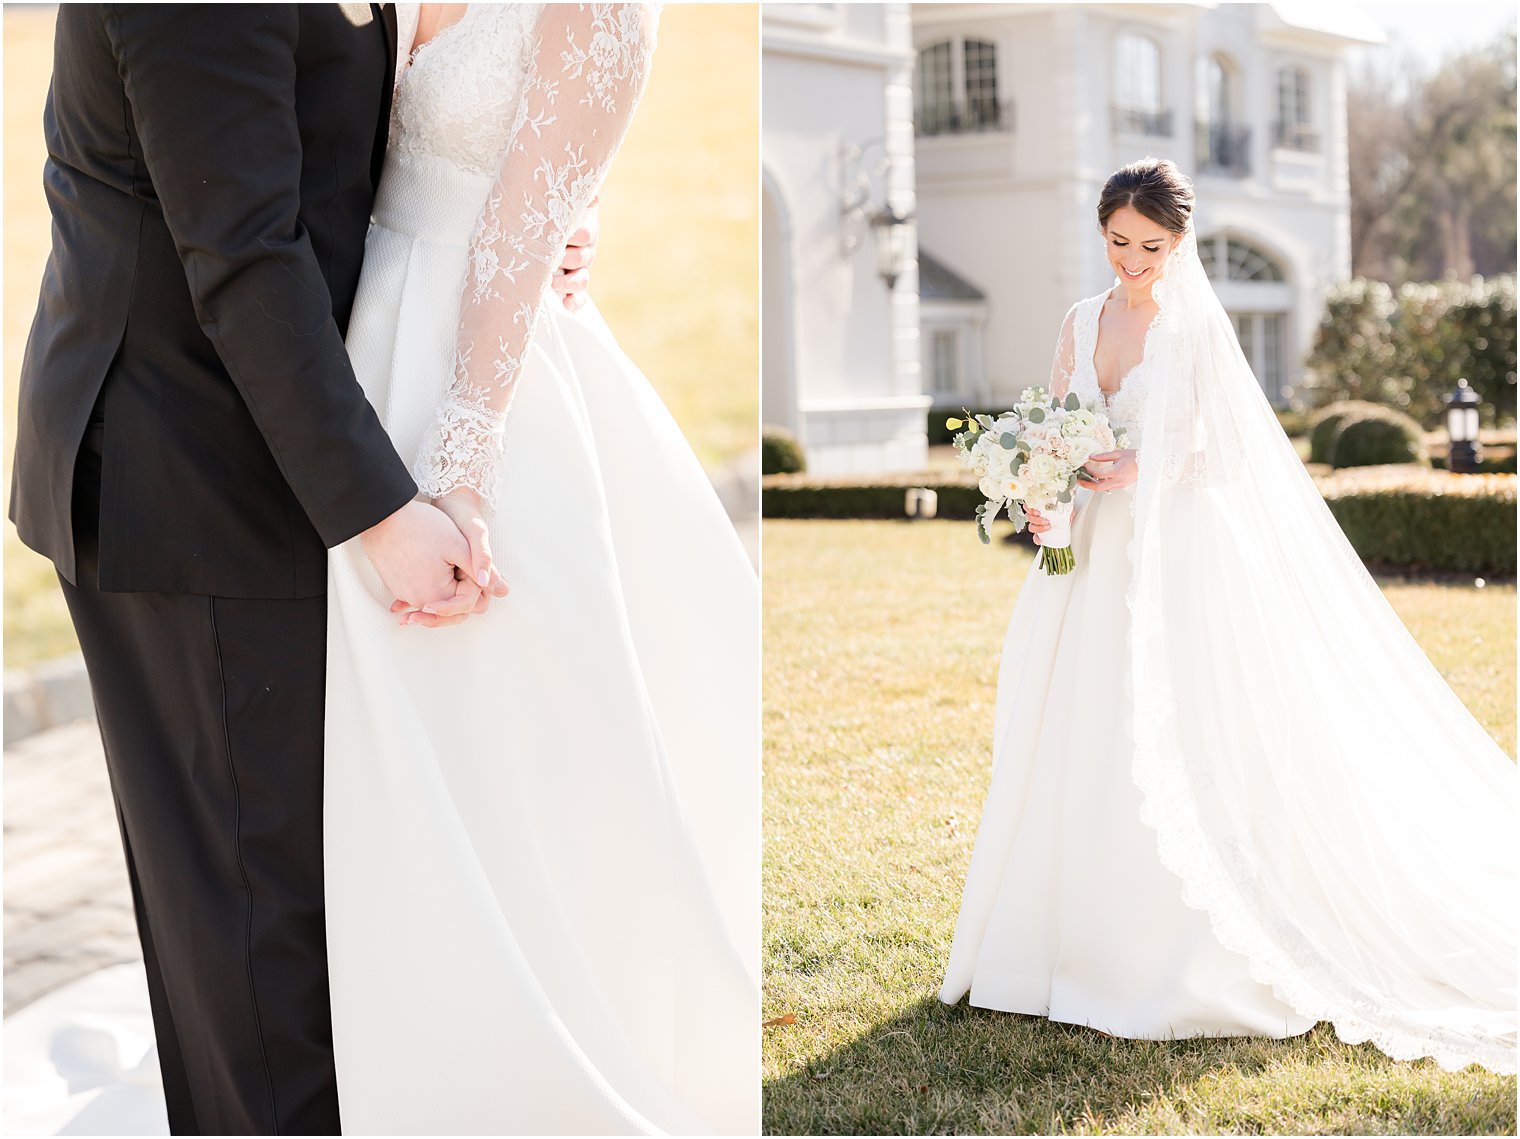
x=430, y=610
x=483, y=578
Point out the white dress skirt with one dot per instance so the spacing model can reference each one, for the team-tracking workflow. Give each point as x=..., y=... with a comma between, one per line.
x=1068, y=912
x=541, y=825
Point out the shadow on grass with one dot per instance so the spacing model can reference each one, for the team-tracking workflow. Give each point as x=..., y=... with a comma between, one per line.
x=938, y=1070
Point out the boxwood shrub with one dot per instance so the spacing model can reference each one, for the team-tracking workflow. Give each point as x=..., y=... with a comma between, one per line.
x=1326, y=424
x=1378, y=437
x=780, y=453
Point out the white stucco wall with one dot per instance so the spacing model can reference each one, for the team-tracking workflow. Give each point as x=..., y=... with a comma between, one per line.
x=836, y=76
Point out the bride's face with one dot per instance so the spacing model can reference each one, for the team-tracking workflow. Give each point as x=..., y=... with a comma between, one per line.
x=1137, y=247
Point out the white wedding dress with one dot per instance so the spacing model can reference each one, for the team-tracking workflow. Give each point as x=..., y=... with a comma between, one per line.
x=541, y=825
x=1068, y=913
x=1230, y=795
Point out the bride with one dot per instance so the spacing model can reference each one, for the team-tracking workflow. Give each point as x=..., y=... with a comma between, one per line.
x=1230, y=796
x=541, y=887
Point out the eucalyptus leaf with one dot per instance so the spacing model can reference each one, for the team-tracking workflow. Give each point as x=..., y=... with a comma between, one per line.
x=954, y=424
x=985, y=421
x=1036, y=415
x=1064, y=497
x=1009, y=440
x=1072, y=402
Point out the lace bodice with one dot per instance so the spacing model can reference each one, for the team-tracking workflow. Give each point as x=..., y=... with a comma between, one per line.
x=458, y=98
x=535, y=99
x=1074, y=369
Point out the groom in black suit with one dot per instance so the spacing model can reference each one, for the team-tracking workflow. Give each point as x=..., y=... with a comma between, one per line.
x=191, y=440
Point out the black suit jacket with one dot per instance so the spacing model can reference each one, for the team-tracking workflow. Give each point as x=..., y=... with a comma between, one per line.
x=210, y=174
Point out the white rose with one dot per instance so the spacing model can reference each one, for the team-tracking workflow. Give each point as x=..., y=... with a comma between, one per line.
x=1078, y=422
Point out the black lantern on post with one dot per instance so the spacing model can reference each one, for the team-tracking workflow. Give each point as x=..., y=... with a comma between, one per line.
x=1466, y=451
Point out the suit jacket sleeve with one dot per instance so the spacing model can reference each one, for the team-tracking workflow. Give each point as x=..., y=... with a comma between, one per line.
x=211, y=92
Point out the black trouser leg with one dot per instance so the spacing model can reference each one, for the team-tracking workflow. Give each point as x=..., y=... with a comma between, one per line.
x=211, y=711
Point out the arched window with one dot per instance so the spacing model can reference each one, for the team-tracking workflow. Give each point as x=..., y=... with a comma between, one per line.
x=1295, y=117
x=956, y=89
x=1230, y=259
x=1138, y=106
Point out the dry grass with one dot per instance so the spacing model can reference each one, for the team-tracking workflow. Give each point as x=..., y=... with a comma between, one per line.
x=881, y=644
x=677, y=277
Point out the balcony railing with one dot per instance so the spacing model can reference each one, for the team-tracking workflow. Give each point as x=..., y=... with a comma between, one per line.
x=1136, y=120
x=1224, y=149
x=1296, y=136
x=978, y=117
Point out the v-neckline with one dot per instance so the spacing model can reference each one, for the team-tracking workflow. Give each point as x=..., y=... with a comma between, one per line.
x=1109, y=397
x=417, y=49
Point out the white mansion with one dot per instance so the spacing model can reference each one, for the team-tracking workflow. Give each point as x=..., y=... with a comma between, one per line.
x=1023, y=110
x=1017, y=113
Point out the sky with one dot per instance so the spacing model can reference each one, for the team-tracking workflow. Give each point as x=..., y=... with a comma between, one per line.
x=1432, y=31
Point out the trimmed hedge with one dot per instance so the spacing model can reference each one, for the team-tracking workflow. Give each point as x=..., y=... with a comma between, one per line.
x=1395, y=517
x=780, y=453
x=1378, y=438
x=1428, y=521
x=790, y=497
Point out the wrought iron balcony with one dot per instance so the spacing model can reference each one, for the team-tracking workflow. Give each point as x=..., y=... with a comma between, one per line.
x=1224, y=149
x=977, y=117
x=1137, y=120
x=1296, y=136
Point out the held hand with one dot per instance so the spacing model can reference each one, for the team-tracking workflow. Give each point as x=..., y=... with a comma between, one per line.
x=574, y=274
x=476, y=582
x=1123, y=473
x=416, y=552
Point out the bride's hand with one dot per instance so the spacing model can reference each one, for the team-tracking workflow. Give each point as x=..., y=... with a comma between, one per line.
x=1038, y=523
x=472, y=594
x=1123, y=473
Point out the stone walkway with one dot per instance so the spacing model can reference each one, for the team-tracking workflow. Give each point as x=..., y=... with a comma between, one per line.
x=68, y=909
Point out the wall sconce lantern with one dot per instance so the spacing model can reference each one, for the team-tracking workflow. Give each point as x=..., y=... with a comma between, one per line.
x=1466, y=452
x=891, y=227
x=892, y=231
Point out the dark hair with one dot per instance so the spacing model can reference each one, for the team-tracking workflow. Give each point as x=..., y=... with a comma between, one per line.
x=1154, y=187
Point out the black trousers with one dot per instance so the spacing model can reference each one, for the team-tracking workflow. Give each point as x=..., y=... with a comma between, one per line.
x=211, y=712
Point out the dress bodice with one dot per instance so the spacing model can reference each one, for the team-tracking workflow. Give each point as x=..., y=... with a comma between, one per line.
x=502, y=129
x=458, y=99
x=1126, y=407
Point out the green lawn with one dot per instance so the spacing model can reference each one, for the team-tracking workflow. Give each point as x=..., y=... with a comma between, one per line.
x=881, y=644
x=677, y=275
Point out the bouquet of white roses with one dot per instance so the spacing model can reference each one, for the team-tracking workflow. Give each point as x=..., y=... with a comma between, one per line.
x=1031, y=456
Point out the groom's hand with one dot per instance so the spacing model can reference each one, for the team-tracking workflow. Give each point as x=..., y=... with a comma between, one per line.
x=416, y=551
x=477, y=582
x=574, y=273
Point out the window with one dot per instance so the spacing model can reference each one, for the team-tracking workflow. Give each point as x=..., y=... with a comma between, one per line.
x=1261, y=336
x=1227, y=258
x=1137, y=86
x=1294, y=112
x=944, y=362
x=956, y=90
x=1218, y=84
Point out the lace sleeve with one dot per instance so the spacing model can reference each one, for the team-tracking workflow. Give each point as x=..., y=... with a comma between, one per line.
x=1064, y=366
x=590, y=63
